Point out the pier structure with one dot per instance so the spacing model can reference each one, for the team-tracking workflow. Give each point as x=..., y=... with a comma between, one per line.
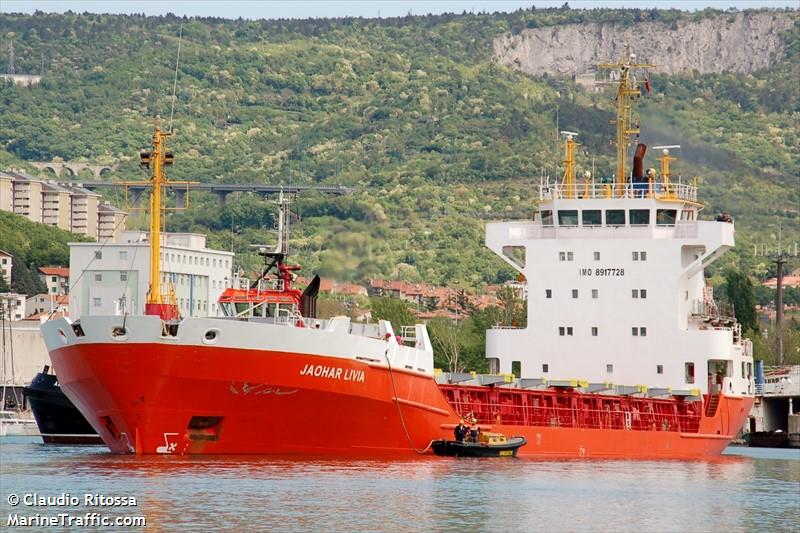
x=776, y=411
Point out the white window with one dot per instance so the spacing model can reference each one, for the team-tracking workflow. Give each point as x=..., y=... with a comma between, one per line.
x=570, y=256
x=54, y=279
x=548, y=293
x=643, y=332
x=610, y=369
x=123, y=276
x=642, y=293
x=594, y=331
x=215, y=263
x=635, y=331
x=97, y=302
x=123, y=255
x=569, y=331
x=635, y=256
x=643, y=256
x=659, y=369
x=545, y=368
x=561, y=330
x=595, y=293
x=98, y=277
x=574, y=293
x=98, y=254
x=634, y=293
x=597, y=256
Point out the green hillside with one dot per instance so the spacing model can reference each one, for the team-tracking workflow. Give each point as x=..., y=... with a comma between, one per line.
x=33, y=245
x=435, y=138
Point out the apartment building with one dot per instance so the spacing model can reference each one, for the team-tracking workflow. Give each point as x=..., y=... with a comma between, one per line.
x=6, y=264
x=12, y=305
x=56, y=279
x=66, y=206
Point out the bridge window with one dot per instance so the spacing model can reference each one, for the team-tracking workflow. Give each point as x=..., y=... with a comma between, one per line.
x=516, y=368
x=659, y=369
x=610, y=369
x=640, y=217
x=547, y=218
x=548, y=293
x=595, y=293
x=639, y=332
x=666, y=217
x=545, y=368
x=591, y=217
x=597, y=256
x=615, y=217
x=594, y=331
x=689, y=369
x=575, y=293
x=568, y=217
x=98, y=277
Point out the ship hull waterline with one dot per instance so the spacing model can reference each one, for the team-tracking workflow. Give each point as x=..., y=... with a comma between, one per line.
x=151, y=398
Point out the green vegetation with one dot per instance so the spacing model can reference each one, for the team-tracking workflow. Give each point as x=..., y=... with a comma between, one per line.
x=33, y=245
x=435, y=138
x=410, y=111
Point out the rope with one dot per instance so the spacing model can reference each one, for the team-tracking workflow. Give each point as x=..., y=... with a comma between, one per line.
x=400, y=411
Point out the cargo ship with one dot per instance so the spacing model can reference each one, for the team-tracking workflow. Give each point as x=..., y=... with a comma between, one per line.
x=625, y=353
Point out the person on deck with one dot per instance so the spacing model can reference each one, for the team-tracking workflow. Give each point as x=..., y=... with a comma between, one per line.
x=474, y=430
x=460, y=431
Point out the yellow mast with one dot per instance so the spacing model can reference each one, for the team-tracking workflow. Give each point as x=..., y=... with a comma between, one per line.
x=156, y=159
x=627, y=91
x=569, y=164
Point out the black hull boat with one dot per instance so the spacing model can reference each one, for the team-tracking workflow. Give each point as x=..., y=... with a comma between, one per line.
x=453, y=448
x=58, y=419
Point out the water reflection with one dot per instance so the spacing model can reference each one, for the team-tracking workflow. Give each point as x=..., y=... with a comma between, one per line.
x=731, y=493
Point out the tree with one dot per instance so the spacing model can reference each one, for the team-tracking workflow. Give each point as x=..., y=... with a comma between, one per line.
x=4, y=287
x=394, y=310
x=512, y=306
x=739, y=290
x=446, y=338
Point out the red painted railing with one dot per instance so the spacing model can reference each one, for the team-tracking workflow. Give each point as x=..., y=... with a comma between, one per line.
x=573, y=409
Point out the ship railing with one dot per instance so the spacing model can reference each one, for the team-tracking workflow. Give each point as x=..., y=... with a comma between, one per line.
x=289, y=316
x=658, y=418
x=710, y=310
x=592, y=190
x=408, y=335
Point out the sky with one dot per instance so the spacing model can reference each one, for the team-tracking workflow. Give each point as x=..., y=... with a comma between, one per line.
x=254, y=9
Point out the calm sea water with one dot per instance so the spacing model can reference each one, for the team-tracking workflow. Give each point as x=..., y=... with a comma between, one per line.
x=745, y=490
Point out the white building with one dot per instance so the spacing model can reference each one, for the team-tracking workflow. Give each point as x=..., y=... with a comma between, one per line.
x=56, y=279
x=46, y=303
x=116, y=276
x=12, y=305
x=6, y=264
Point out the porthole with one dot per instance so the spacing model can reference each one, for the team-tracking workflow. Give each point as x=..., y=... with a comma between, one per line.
x=211, y=336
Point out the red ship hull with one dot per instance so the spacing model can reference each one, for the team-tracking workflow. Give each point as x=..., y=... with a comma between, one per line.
x=152, y=398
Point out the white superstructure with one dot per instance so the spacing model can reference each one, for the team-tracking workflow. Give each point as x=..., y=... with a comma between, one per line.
x=616, y=292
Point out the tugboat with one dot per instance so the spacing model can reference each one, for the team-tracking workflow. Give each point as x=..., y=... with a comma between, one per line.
x=625, y=355
x=488, y=445
x=58, y=419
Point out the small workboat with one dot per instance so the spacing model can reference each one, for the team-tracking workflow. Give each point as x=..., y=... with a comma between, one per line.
x=488, y=445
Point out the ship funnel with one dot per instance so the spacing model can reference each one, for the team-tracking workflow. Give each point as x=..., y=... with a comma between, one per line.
x=638, y=164
x=308, y=301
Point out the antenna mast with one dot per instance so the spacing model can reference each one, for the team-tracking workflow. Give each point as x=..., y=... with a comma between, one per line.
x=627, y=92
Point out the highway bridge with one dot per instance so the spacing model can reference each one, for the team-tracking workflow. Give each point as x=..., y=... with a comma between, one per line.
x=222, y=190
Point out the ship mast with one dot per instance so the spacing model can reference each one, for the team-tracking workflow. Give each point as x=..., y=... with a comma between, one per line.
x=628, y=90
x=157, y=159
x=163, y=305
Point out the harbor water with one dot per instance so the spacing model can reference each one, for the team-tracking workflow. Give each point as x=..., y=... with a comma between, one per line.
x=744, y=490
